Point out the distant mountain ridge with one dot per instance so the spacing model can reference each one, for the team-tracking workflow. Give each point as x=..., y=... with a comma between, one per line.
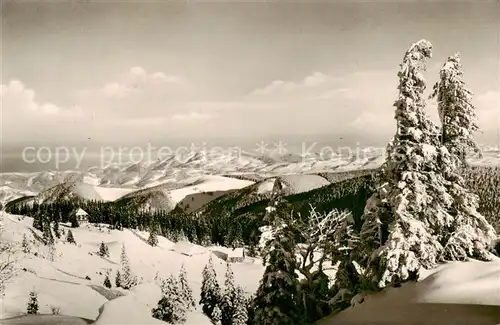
x=113, y=181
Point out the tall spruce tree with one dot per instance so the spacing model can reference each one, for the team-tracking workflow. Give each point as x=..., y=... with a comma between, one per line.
x=47, y=234
x=228, y=298
x=210, y=291
x=153, y=237
x=184, y=290
x=277, y=300
x=456, y=111
x=127, y=278
x=407, y=218
x=240, y=313
x=57, y=232
x=470, y=234
x=32, y=307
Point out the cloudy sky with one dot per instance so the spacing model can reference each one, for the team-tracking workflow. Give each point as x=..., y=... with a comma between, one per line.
x=146, y=71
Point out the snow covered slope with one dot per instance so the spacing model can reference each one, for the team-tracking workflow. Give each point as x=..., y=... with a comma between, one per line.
x=62, y=283
x=454, y=293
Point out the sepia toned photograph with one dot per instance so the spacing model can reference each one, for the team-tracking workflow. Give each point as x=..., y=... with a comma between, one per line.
x=250, y=162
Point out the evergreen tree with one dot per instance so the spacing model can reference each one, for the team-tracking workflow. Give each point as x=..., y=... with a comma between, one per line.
x=69, y=238
x=107, y=282
x=127, y=280
x=118, y=279
x=47, y=234
x=240, y=313
x=210, y=291
x=171, y=307
x=153, y=238
x=405, y=215
x=32, y=308
x=37, y=222
x=456, y=111
x=277, y=300
x=74, y=220
x=228, y=298
x=184, y=289
x=57, y=233
x=470, y=234
x=103, y=250
x=25, y=245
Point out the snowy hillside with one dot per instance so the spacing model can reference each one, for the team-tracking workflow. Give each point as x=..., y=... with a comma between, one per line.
x=454, y=293
x=62, y=283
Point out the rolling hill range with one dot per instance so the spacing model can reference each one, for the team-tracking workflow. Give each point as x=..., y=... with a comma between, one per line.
x=194, y=192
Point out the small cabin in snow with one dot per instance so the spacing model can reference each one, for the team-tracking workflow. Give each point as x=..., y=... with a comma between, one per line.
x=235, y=255
x=81, y=215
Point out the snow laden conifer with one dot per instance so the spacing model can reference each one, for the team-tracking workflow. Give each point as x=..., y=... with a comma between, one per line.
x=127, y=278
x=456, y=111
x=69, y=237
x=240, y=313
x=171, y=307
x=210, y=291
x=277, y=300
x=233, y=303
x=48, y=237
x=32, y=306
x=118, y=279
x=470, y=234
x=227, y=301
x=405, y=216
x=57, y=232
x=185, y=290
x=103, y=250
x=107, y=281
x=153, y=237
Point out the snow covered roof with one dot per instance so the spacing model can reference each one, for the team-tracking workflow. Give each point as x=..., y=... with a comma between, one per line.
x=189, y=249
x=81, y=212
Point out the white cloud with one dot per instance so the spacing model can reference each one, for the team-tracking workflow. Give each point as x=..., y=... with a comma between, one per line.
x=18, y=99
x=24, y=118
x=287, y=90
x=136, y=93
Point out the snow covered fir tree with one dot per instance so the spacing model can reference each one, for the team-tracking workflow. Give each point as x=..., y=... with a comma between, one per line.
x=278, y=298
x=172, y=307
x=413, y=218
x=32, y=306
x=210, y=292
x=127, y=279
